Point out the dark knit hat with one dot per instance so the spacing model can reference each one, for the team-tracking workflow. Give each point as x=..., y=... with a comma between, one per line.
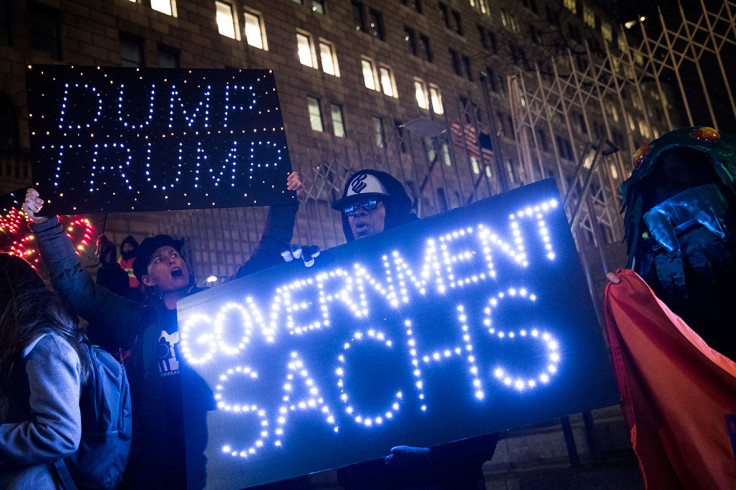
x=145, y=250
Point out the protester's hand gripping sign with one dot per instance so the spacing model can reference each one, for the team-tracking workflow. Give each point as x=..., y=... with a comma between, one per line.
x=146, y=139
x=454, y=326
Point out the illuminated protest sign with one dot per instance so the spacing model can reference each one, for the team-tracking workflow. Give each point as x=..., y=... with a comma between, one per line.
x=458, y=325
x=145, y=139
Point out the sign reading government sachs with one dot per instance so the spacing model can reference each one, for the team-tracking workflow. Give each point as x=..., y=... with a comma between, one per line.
x=147, y=139
x=454, y=326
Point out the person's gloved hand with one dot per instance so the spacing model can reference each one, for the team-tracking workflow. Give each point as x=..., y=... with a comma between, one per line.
x=406, y=456
x=307, y=253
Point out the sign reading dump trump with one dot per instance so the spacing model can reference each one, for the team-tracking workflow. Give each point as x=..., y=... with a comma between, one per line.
x=458, y=325
x=146, y=139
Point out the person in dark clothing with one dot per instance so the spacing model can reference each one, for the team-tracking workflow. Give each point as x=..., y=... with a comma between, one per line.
x=157, y=376
x=127, y=256
x=372, y=202
x=680, y=213
x=110, y=275
x=42, y=368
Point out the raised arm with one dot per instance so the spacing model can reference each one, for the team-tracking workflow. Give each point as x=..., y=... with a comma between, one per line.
x=74, y=284
x=277, y=233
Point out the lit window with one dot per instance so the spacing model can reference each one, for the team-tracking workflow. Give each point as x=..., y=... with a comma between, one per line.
x=572, y=6
x=420, y=89
x=369, y=76
x=621, y=43
x=588, y=16
x=511, y=171
x=315, y=114
x=318, y=6
x=436, y=99
x=446, y=157
x=306, y=53
x=255, y=33
x=387, y=82
x=606, y=31
x=328, y=58
x=163, y=6
x=474, y=164
x=226, y=20
x=378, y=132
x=338, y=125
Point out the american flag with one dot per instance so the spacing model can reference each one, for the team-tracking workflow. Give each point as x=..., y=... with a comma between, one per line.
x=466, y=136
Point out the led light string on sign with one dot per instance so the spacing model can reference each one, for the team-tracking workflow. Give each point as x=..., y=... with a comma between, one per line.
x=314, y=401
x=361, y=419
x=519, y=382
x=242, y=409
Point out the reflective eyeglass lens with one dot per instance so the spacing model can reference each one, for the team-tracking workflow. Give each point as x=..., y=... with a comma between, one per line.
x=368, y=205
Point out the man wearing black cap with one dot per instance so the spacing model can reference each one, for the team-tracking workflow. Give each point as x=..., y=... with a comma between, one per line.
x=372, y=202
x=150, y=330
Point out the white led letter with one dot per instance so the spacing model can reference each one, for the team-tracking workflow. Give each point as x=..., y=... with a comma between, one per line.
x=201, y=109
x=225, y=404
x=538, y=340
x=342, y=369
x=298, y=379
x=70, y=106
x=233, y=104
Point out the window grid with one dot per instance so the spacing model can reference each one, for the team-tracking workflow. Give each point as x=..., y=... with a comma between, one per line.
x=358, y=17
x=305, y=50
x=131, y=52
x=226, y=21
x=338, y=123
x=369, y=74
x=167, y=7
x=435, y=98
x=410, y=40
x=426, y=51
x=375, y=24
x=255, y=32
x=315, y=114
x=168, y=57
x=44, y=32
x=388, y=84
x=420, y=91
x=379, y=135
x=328, y=58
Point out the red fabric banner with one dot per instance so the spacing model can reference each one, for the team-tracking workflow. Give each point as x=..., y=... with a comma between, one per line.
x=677, y=393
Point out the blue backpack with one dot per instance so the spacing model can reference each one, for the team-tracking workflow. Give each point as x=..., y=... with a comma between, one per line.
x=107, y=426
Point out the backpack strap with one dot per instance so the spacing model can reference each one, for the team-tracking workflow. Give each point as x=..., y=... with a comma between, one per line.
x=62, y=472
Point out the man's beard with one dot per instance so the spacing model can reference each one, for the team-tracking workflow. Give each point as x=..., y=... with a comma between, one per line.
x=127, y=255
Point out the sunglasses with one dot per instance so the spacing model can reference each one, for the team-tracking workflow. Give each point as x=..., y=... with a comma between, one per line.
x=367, y=205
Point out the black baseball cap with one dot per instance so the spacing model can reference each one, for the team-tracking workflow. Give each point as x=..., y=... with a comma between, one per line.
x=145, y=250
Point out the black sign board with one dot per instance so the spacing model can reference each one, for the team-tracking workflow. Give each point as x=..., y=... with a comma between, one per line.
x=146, y=139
